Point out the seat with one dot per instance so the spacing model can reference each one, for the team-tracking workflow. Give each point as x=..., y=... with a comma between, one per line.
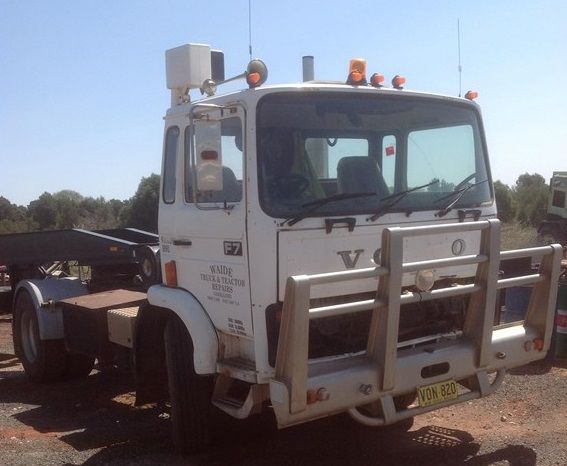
x=360, y=174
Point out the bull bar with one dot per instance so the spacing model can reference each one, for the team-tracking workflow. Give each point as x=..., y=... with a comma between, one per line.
x=306, y=389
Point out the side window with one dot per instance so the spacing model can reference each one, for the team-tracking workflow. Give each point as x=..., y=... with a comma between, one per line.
x=232, y=166
x=188, y=173
x=324, y=154
x=341, y=147
x=169, y=163
x=389, y=160
x=558, y=199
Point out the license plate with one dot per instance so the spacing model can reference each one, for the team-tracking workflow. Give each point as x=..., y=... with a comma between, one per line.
x=437, y=393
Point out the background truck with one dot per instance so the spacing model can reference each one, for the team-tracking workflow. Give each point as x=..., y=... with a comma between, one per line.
x=554, y=228
x=324, y=248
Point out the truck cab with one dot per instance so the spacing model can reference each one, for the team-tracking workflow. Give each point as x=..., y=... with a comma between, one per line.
x=334, y=236
x=270, y=182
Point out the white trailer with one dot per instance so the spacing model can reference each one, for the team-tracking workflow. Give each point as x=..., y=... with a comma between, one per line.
x=325, y=248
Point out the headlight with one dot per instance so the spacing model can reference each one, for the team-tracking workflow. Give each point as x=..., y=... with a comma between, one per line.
x=424, y=279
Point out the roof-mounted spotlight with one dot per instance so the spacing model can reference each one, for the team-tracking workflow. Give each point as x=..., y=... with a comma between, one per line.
x=208, y=87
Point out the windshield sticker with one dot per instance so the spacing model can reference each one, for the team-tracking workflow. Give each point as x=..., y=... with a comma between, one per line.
x=390, y=150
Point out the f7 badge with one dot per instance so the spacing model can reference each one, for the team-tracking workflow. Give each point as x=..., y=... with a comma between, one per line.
x=232, y=248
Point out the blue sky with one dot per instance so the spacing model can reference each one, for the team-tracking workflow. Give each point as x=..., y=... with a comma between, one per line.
x=82, y=83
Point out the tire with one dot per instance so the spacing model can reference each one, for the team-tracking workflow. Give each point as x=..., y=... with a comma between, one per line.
x=189, y=393
x=43, y=360
x=403, y=401
x=148, y=266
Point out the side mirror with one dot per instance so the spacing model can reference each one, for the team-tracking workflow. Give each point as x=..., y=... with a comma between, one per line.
x=208, y=155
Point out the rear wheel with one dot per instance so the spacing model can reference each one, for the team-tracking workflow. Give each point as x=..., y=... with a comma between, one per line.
x=43, y=360
x=189, y=393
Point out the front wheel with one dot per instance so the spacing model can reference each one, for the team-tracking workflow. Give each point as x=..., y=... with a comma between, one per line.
x=43, y=360
x=189, y=393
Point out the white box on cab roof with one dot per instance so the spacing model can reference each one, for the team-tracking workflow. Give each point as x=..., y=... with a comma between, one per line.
x=188, y=66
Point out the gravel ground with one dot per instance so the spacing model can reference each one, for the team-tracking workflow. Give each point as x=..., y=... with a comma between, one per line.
x=94, y=422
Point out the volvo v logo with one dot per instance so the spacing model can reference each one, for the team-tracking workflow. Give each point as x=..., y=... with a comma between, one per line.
x=350, y=258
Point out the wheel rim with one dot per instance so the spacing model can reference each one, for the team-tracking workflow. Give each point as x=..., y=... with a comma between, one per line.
x=28, y=334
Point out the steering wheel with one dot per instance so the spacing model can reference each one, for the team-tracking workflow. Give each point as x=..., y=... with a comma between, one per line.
x=290, y=185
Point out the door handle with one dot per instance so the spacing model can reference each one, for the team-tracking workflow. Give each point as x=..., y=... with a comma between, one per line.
x=182, y=242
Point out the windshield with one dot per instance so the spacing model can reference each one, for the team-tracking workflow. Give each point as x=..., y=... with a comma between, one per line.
x=315, y=146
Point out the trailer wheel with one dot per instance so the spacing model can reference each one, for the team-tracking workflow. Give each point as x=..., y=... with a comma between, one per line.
x=148, y=266
x=189, y=393
x=43, y=360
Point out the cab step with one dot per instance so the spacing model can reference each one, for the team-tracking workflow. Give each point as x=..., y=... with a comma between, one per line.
x=236, y=407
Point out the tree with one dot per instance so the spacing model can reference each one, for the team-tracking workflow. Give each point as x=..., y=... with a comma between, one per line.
x=44, y=211
x=142, y=209
x=504, y=201
x=530, y=199
x=13, y=218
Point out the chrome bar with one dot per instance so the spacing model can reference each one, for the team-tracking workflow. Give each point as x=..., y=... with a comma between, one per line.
x=443, y=229
x=523, y=253
x=332, y=277
x=345, y=308
x=460, y=290
x=520, y=281
x=438, y=263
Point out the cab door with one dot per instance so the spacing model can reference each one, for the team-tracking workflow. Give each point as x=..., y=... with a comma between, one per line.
x=204, y=227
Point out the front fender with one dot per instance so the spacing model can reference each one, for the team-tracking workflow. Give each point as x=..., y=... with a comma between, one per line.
x=49, y=316
x=197, y=321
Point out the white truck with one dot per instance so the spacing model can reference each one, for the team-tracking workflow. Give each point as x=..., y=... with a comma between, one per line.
x=325, y=248
x=553, y=229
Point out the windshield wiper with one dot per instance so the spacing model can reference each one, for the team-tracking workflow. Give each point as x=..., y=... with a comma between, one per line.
x=396, y=197
x=459, y=193
x=314, y=205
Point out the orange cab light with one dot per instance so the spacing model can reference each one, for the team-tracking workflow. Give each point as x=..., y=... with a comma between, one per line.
x=471, y=95
x=538, y=344
x=377, y=79
x=253, y=79
x=398, y=81
x=256, y=73
x=170, y=273
x=357, y=72
x=312, y=397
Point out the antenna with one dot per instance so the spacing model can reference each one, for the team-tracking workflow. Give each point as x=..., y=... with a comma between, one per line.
x=250, y=28
x=459, y=51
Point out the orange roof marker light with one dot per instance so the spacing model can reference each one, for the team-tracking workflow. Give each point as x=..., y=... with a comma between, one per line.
x=376, y=80
x=256, y=73
x=398, y=81
x=357, y=72
x=471, y=95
